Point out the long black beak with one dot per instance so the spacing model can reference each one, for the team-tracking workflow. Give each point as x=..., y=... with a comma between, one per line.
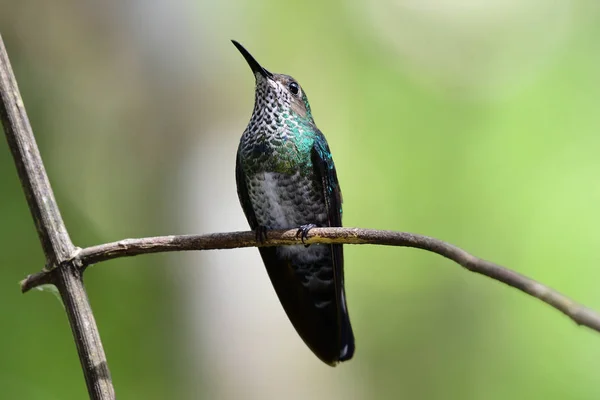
x=254, y=65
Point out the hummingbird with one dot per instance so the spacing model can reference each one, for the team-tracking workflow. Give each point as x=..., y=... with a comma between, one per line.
x=286, y=179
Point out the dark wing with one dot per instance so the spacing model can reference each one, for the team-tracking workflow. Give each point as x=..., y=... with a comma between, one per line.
x=325, y=169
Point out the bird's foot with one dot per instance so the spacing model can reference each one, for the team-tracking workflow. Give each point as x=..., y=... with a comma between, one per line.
x=261, y=233
x=303, y=232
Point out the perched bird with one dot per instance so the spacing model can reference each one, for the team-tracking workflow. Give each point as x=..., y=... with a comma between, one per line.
x=286, y=180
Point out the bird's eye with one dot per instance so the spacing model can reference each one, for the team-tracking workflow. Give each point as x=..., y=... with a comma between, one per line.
x=294, y=88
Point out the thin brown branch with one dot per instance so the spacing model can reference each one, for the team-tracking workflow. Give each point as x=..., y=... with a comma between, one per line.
x=131, y=247
x=48, y=221
x=57, y=246
x=81, y=319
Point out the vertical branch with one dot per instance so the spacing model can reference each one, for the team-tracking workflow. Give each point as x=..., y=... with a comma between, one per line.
x=87, y=337
x=59, y=250
x=48, y=221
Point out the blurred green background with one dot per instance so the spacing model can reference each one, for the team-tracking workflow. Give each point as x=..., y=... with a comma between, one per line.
x=474, y=122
